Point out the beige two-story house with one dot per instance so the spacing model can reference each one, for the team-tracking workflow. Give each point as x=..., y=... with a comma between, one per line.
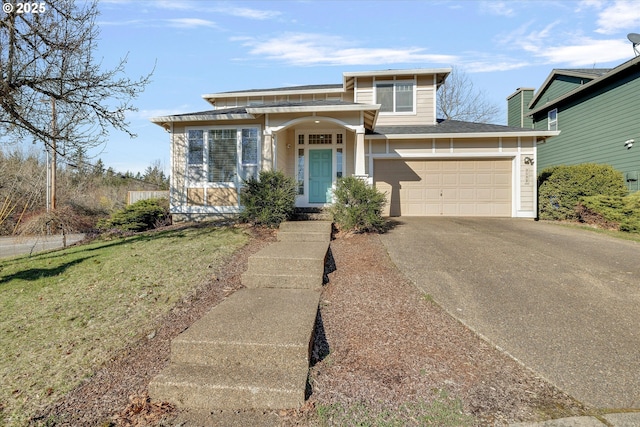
x=378, y=125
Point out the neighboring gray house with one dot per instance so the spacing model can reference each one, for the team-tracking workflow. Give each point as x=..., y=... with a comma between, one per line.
x=379, y=125
x=596, y=111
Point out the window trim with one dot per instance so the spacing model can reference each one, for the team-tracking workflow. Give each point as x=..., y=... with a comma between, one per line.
x=202, y=177
x=395, y=84
x=552, y=124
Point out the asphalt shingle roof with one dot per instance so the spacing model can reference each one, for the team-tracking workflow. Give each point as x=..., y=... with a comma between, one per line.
x=278, y=89
x=446, y=126
x=243, y=109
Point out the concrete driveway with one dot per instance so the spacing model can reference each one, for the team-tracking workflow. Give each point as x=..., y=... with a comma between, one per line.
x=563, y=301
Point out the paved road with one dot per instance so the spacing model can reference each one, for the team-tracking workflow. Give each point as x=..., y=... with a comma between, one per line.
x=12, y=246
x=563, y=301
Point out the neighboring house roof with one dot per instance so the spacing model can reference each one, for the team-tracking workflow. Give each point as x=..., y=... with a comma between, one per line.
x=605, y=78
x=581, y=73
x=454, y=128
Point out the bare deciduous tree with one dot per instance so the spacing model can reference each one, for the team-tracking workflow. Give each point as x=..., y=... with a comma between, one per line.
x=459, y=100
x=47, y=60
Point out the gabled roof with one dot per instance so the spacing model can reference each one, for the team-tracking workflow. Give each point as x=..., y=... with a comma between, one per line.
x=581, y=73
x=455, y=129
x=441, y=74
x=348, y=79
x=605, y=78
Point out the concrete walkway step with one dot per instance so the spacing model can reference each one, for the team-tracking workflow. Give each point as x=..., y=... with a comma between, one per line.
x=250, y=351
x=213, y=388
x=287, y=264
x=246, y=330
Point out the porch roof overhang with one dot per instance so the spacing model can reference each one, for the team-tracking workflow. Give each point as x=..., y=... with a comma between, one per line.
x=369, y=112
x=456, y=129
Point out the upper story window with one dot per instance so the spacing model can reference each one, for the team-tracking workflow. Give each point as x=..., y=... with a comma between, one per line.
x=552, y=122
x=222, y=155
x=395, y=97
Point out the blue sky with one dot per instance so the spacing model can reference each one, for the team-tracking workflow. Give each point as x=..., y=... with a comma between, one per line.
x=202, y=46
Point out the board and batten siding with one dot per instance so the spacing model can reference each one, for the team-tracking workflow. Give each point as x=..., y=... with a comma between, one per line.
x=593, y=129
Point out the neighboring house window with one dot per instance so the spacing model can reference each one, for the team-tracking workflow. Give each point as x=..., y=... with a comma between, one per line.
x=395, y=97
x=553, y=119
x=223, y=155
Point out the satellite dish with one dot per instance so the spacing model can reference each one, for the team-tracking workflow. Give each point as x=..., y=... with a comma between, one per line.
x=635, y=39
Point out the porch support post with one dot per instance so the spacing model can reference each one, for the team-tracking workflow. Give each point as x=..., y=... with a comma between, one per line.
x=267, y=150
x=360, y=170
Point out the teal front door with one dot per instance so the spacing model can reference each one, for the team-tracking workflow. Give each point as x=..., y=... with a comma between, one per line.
x=320, y=175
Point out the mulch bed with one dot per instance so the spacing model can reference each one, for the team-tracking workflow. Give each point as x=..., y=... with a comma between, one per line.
x=379, y=341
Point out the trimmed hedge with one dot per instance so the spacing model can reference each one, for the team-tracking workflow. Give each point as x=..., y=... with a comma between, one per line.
x=358, y=206
x=562, y=187
x=269, y=199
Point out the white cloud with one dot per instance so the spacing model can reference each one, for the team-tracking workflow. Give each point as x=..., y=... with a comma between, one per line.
x=304, y=49
x=621, y=16
x=552, y=45
x=587, y=52
x=499, y=8
x=244, y=12
x=191, y=23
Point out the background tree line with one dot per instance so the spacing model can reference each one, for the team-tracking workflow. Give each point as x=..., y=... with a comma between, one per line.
x=86, y=192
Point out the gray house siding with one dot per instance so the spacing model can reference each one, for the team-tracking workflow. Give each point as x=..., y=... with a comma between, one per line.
x=595, y=126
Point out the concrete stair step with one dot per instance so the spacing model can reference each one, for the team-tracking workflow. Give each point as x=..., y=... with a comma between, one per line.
x=303, y=236
x=283, y=281
x=283, y=258
x=306, y=226
x=213, y=388
x=257, y=328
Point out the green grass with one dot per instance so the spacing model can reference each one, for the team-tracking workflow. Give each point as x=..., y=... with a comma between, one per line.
x=443, y=411
x=63, y=314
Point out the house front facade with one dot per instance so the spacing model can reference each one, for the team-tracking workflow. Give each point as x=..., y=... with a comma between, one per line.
x=379, y=125
x=595, y=110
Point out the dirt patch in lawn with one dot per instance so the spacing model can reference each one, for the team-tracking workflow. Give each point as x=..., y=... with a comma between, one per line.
x=380, y=345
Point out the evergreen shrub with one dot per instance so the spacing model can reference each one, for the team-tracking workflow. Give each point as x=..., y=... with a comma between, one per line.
x=139, y=216
x=611, y=212
x=560, y=188
x=357, y=206
x=269, y=199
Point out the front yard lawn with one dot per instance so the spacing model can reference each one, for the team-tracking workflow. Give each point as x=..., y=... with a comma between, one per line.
x=65, y=313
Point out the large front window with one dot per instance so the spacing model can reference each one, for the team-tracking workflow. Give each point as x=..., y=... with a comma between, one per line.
x=395, y=97
x=224, y=155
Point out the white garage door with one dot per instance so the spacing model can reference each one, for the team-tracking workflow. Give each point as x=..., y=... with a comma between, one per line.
x=445, y=187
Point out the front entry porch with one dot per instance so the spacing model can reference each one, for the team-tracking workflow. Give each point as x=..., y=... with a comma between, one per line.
x=317, y=158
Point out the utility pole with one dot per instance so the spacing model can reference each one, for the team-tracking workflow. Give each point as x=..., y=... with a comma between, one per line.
x=54, y=148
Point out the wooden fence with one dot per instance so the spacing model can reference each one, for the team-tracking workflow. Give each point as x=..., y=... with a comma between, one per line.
x=136, y=196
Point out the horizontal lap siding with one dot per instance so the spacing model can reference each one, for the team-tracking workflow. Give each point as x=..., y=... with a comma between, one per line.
x=595, y=130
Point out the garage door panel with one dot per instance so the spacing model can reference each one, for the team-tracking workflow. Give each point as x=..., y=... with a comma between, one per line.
x=446, y=187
